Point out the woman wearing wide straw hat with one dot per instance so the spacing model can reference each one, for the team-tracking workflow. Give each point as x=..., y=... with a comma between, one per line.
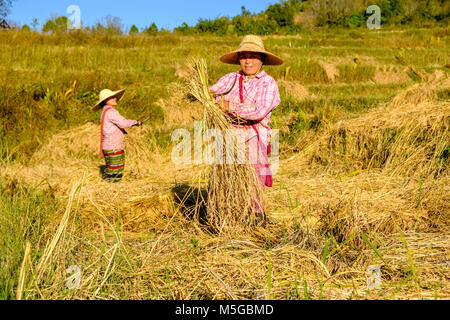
x=112, y=130
x=251, y=95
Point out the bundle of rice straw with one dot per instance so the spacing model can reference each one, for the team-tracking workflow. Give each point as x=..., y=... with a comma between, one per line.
x=233, y=188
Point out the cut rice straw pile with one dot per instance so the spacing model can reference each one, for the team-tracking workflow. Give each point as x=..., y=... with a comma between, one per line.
x=409, y=136
x=233, y=188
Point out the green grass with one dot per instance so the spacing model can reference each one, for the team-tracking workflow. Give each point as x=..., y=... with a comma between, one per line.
x=24, y=215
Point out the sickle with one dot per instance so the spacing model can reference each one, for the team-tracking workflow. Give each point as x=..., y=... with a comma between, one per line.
x=144, y=121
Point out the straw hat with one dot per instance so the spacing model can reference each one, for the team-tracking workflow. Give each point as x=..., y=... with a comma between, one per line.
x=107, y=94
x=251, y=43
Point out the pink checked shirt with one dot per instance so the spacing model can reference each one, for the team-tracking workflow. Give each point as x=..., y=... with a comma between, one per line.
x=261, y=97
x=114, y=126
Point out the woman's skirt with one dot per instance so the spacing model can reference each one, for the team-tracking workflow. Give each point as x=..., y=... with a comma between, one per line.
x=115, y=165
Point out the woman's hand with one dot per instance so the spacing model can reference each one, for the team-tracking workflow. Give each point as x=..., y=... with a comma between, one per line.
x=224, y=105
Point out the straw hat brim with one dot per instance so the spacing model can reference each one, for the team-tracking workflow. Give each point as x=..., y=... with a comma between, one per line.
x=118, y=94
x=233, y=57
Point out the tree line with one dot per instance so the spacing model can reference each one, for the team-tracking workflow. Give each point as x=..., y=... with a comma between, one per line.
x=284, y=17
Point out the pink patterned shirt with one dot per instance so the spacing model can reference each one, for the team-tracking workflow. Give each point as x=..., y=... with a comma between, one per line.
x=114, y=126
x=261, y=97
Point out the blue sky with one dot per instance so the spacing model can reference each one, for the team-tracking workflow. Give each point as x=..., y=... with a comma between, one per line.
x=166, y=14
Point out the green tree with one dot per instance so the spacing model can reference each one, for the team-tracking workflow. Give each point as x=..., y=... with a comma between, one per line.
x=5, y=8
x=282, y=14
x=434, y=10
x=245, y=12
x=392, y=11
x=152, y=30
x=185, y=29
x=280, y=17
x=56, y=25
x=217, y=26
x=242, y=25
x=259, y=25
x=35, y=24
x=49, y=26
x=335, y=12
x=26, y=28
x=133, y=30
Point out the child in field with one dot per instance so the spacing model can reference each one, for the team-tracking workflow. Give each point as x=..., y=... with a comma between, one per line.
x=112, y=131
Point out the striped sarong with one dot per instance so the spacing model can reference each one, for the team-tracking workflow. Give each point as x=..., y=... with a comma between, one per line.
x=115, y=165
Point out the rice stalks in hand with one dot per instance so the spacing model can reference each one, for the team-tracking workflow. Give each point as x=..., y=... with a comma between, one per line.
x=233, y=188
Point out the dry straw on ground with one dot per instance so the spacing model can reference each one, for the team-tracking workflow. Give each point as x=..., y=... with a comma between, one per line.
x=330, y=69
x=143, y=197
x=408, y=136
x=294, y=89
x=391, y=166
x=389, y=74
x=422, y=92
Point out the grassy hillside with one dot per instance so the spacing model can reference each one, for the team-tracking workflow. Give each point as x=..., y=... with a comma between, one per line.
x=363, y=178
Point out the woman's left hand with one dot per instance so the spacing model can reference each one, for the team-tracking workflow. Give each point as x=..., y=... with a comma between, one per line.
x=224, y=105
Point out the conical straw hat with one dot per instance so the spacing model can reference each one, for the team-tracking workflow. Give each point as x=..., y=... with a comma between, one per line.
x=107, y=94
x=251, y=43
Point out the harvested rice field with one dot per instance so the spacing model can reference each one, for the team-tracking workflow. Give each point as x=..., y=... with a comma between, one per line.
x=362, y=180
